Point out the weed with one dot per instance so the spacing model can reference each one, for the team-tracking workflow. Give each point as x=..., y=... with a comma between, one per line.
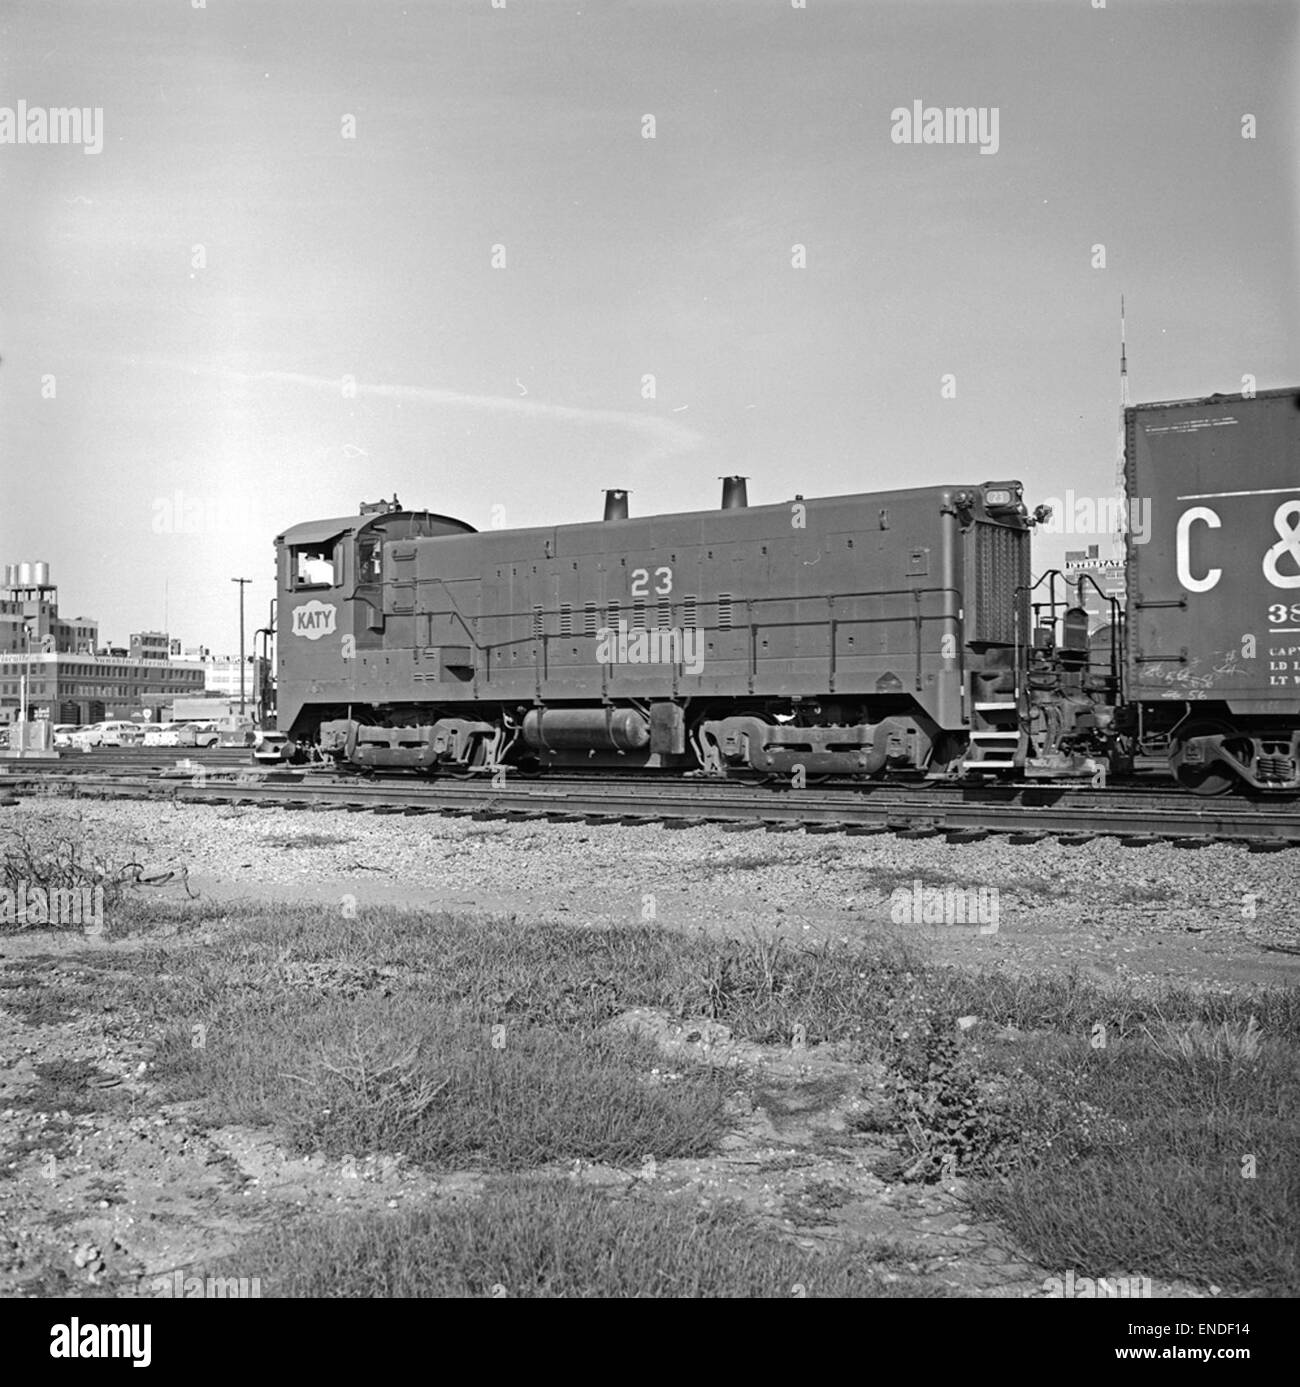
x=1226, y=1043
x=947, y=1127
x=551, y=1239
x=429, y=1083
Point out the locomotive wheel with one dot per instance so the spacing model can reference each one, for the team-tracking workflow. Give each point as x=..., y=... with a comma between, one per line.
x=1215, y=779
x=472, y=768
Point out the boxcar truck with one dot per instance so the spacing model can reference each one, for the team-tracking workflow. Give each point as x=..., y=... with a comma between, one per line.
x=1212, y=669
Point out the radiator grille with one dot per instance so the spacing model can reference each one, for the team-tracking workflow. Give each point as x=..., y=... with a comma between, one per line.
x=1001, y=566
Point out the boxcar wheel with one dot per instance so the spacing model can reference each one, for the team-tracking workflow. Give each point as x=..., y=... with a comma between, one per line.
x=1215, y=779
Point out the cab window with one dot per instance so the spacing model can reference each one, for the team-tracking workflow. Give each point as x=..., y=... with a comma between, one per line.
x=370, y=561
x=312, y=566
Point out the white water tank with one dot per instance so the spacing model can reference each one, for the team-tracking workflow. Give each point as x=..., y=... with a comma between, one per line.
x=10, y=575
x=24, y=575
x=41, y=571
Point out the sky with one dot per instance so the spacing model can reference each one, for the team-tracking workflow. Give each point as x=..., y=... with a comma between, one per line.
x=332, y=251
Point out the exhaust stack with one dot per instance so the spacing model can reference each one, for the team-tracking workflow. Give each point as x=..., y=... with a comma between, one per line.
x=615, y=504
x=735, y=495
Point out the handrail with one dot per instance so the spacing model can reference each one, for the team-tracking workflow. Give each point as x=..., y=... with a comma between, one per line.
x=530, y=614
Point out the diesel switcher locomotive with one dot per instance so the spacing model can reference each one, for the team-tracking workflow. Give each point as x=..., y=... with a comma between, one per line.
x=896, y=631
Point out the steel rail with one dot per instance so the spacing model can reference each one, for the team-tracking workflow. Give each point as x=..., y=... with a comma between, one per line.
x=924, y=795
x=1028, y=814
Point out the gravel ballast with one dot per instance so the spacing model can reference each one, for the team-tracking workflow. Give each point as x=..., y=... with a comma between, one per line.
x=1216, y=914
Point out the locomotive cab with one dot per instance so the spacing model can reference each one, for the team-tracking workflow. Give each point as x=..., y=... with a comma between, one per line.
x=335, y=603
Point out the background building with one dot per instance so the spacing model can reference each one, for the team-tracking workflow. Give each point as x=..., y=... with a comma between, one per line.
x=1108, y=574
x=29, y=614
x=151, y=645
x=69, y=678
x=222, y=674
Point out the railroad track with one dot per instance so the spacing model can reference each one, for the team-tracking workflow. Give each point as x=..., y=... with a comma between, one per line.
x=958, y=813
x=137, y=758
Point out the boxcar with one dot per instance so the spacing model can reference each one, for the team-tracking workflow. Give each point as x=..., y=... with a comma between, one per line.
x=1212, y=669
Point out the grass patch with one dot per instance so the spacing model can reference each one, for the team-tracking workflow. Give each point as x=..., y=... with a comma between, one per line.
x=393, y=1075
x=501, y=971
x=1173, y=1164
x=1109, y=1137
x=538, y=1238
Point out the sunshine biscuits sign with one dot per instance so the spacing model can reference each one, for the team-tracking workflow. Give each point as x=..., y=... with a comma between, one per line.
x=315, y=619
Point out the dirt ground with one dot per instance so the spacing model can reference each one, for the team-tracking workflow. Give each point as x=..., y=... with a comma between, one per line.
x=108, y=1190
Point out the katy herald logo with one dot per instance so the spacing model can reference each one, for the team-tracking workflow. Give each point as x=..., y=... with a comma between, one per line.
x=315, y=619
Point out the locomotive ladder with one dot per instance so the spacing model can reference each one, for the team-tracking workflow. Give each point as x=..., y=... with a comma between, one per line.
x=995, y=734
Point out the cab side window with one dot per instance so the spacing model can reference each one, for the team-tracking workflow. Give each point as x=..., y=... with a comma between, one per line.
x=370, y=561
x=312, y=566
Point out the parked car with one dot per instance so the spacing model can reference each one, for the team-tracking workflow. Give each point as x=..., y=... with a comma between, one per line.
x=235, y=733
x=200, y=734
x=62, y=733
x=108, y=734
x=162, y=734
x=271, y=748
x=122, y=734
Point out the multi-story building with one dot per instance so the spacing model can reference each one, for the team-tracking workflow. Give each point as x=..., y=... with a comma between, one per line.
x=1107, y=574
x=29, y=614
x=151, y=645
x=69, y=678
x=67, y=687
x=223, y=676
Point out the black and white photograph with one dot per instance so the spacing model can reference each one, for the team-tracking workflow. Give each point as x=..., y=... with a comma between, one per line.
x=649, y=649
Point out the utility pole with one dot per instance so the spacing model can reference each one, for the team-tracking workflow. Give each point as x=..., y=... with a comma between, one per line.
x=242, y=583
x=1124, y=400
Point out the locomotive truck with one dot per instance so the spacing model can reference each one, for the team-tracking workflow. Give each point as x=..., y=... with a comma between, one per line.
x=889, y=632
